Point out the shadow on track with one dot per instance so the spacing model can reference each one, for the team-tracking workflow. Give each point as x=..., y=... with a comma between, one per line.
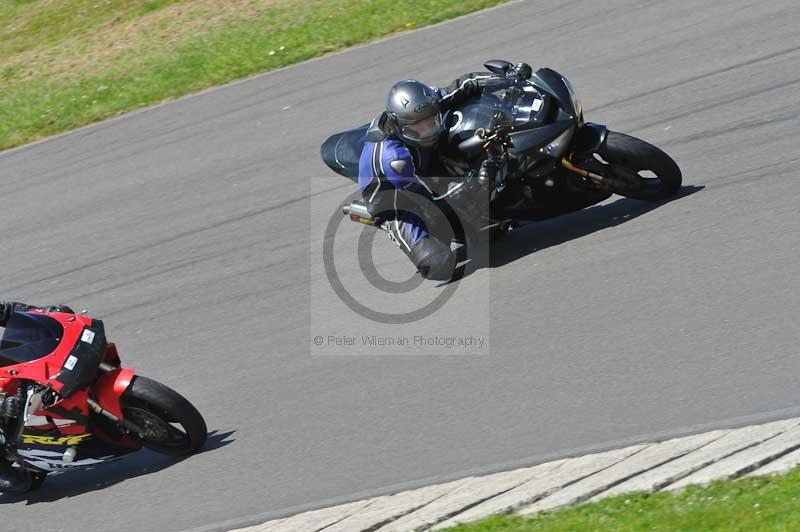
x=556, y=231
x=144, y=462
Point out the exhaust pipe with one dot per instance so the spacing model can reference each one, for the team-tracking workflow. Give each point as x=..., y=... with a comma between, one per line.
x=358, y=212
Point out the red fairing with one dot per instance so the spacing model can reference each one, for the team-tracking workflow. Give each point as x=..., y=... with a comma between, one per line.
x=69, y=414
x=112, y=357
x=109, y=389
x=45, y=369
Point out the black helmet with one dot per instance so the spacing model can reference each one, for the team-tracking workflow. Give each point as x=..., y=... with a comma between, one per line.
x=413, y=111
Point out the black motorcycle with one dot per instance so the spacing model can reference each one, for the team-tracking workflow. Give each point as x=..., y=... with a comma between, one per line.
x=524, y=146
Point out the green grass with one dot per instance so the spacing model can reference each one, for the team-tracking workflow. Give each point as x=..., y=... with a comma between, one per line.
x=67, y=63
x=760, y=503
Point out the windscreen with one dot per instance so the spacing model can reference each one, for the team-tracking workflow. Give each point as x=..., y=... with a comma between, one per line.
x=527, y=104
x=27, y=337
x=504, y=102
x=519, y=100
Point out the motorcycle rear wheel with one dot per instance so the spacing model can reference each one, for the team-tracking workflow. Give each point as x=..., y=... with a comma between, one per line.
x=653, y=173
x=170, y=424
x=37, y=479
x=27, y=480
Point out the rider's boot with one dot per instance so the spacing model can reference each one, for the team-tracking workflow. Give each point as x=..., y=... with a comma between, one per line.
x=434, y=259
x=432, y=256
x=13, y=479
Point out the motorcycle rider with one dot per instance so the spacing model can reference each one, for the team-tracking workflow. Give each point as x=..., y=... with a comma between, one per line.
x=399, y=150
x=11, y=408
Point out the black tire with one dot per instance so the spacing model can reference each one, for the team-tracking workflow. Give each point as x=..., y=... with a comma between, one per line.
x=37, y=479
x=628, y=157
x=26, y=480
x=158, y=409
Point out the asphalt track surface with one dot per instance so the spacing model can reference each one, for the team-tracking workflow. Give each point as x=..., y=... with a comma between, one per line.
x=193, y=229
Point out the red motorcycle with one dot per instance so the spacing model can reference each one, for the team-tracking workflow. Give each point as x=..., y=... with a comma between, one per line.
x=81, y=407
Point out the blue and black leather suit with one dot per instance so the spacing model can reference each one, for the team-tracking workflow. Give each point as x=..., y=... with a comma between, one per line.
x=387, y=167
x=390, y=169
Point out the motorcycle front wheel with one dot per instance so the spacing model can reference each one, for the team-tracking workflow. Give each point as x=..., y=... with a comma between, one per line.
x=648, y=173
x=168, y=423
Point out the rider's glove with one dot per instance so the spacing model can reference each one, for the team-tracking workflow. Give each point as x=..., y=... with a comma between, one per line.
x=524, y=70
x=460, y=94
x=9, y=307
x=10, y=407
x=59, y=308
x=471, y=88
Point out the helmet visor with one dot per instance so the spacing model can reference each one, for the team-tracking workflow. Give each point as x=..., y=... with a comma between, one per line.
x=425, y=130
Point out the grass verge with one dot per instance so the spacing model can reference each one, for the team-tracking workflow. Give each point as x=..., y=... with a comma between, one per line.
x=67, y=63
x=759, y=503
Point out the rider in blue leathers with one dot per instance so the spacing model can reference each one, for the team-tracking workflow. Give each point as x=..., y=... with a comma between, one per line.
x=400, y=149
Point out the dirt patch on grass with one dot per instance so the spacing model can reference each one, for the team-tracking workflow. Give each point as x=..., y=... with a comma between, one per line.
x=113, y=43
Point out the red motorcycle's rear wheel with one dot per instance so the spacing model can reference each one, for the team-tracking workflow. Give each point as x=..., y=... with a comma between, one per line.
x=170, y=424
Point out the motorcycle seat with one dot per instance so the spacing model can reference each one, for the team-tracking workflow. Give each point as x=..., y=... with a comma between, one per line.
x=342, y=151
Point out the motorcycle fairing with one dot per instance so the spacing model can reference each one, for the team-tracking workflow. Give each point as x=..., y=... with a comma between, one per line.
x=80, y=367
x=50, y=433
x=35, y=332
x=27, y=337
x=51, y=461
x=47, y=452
x=528, y=139
x=554, y=83
x=590, y=138
x=63, y=351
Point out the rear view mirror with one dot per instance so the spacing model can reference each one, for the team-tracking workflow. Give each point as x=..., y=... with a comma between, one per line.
x=498, y=66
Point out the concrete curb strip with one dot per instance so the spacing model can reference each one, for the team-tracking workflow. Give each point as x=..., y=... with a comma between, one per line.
x=674, y=464
x=475, y=492
x=779, y=466
x=388, y=509
x=570, y=471
x=645, y=460
x=745, y=461
x=727, y=444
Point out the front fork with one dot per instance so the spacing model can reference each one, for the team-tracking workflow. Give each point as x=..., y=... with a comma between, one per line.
x=108, y=390
x=589, y=140
x=597, y=180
